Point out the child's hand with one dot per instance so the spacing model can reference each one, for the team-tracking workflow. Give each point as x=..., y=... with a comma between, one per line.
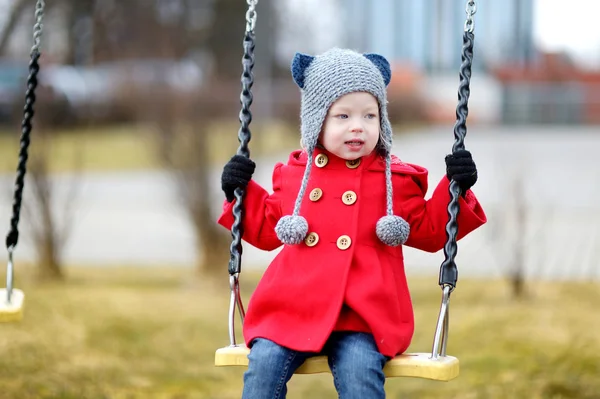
x=236, y=173
x=461, y=168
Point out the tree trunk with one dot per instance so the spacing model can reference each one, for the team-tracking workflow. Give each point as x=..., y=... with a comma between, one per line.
x=45, y=231
x=517, y=274
x=80, y=19
x=11, y=23
x=226, y=36
x=50, y=229
x=49, y=264
x=213, y=245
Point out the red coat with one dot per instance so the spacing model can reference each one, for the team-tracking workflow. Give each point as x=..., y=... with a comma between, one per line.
x=310, y=290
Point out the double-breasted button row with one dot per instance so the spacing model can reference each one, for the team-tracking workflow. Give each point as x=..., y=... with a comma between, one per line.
x=348, y=198
x=321, y=160
x=343, y=242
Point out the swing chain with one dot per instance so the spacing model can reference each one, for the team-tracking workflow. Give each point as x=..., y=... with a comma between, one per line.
x=448, y=270
x=470, y=9
x=12, y=237
x=38, y=27
x=244, y=137
x=251, y=15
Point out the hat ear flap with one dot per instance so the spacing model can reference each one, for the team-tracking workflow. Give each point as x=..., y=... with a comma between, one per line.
x=382, y=64
x=299, y=65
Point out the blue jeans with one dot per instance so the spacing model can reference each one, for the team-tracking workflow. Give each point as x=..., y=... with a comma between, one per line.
x=355, y=362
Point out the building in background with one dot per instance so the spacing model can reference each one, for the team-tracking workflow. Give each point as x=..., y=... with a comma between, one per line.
x=516, y=83
x=427, y=34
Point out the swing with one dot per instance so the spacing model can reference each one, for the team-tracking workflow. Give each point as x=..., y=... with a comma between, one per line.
x=12, y=299
x=434, y=365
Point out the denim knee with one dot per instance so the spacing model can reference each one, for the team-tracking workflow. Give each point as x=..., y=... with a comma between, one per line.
x=270, y=367
x=357, y=366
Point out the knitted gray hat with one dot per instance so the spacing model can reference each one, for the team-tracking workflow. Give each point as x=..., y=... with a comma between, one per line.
x=323, y=79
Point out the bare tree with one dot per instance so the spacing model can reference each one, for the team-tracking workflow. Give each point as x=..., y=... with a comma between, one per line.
x=51, y=222
x=140, y=29
x=509, y=226
x=184, y=148
x=14, y=15
x=184, y=121
x=516, y=273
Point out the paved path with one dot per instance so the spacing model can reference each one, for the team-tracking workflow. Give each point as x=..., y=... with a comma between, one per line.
x=135, y=218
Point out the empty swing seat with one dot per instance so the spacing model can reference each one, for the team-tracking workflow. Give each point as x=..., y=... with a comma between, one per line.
x=417, y=365
x=12, y=311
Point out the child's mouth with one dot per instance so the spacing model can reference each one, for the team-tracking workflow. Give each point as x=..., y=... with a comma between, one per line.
x=354, y=143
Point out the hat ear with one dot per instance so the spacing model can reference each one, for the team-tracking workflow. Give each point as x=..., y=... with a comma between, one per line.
x=382, y=64
x=299, y=65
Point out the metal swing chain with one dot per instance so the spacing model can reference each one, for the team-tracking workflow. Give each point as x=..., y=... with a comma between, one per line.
x=251, y=15
x=448, y=269
x=470, y=9
x=244, y=137
x=12, y=237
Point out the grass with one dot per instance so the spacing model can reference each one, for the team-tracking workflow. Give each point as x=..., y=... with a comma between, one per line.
x=114, y=148
x=133, y=147
x=152, y=333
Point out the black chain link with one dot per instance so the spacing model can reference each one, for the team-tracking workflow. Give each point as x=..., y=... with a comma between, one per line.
x=13, y=235
x=448, y=269
x=244, y=136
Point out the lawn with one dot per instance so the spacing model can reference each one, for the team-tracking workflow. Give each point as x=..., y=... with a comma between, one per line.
x=152, y=333
x=131, y=147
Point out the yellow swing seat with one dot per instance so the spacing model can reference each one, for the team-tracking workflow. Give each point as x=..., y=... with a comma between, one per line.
x=12, y=311
x=419, y=365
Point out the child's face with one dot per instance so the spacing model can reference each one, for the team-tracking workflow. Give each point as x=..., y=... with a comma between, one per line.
x=351, y=128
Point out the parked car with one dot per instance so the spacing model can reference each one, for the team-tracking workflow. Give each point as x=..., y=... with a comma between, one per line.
x=51, y=105
x=99, y=93
x=109, y=91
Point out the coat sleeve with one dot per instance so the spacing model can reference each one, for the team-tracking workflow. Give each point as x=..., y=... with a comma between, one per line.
x=428, y=218
x=261, y=213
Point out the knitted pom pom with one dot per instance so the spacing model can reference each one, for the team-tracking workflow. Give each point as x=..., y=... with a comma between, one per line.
x=392, y=230
x=291, y=229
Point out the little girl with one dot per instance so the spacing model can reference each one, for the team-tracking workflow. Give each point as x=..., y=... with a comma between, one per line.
x=343, y=207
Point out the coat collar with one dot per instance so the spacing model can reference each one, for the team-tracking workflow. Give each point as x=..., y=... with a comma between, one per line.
x=300, y=157
x=372, y=162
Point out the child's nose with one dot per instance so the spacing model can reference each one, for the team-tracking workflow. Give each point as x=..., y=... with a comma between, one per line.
x=357, y=126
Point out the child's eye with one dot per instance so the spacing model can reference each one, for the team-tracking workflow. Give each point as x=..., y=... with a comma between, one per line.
x=371, y=116
x=342, y=116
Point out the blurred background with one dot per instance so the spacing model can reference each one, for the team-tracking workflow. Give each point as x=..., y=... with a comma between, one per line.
x=125, y=269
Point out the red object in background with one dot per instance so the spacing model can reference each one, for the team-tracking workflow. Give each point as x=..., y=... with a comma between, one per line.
x=554, y=68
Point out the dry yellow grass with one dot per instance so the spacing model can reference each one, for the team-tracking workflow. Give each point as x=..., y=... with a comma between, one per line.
x=152, y=333
x=133, y=147
x=114, y=148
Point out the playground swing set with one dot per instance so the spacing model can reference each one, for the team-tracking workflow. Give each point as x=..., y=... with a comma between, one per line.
x=434, y=365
